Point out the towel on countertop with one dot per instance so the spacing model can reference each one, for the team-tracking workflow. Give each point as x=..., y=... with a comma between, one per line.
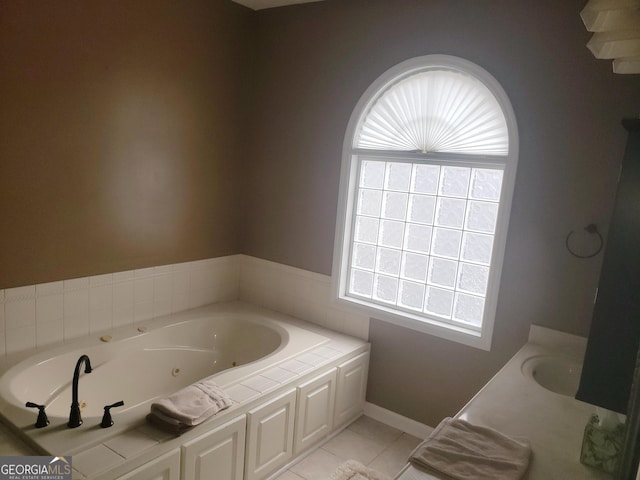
x=190, y=406
x=462, y=451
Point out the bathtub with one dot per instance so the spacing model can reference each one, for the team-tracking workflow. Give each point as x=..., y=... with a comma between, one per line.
x=139, y=364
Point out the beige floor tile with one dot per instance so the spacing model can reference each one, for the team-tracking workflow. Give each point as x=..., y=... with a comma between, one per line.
x=393, y=458
x=353, y=446
x=368, y=427
x=317, y=466
x=288, y=475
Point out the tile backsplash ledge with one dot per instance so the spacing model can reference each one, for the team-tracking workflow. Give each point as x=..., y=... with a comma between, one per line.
x=36, y=316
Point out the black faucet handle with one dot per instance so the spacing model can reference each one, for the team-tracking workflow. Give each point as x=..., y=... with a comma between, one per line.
x=107, y=421
x=42, y=420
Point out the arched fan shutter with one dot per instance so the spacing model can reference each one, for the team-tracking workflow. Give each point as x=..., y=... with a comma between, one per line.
x=435, y=111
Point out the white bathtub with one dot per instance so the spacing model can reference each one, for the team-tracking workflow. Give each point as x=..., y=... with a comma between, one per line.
x=172, y=352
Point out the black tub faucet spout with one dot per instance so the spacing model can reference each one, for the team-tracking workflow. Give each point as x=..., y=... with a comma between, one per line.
x=75, y=419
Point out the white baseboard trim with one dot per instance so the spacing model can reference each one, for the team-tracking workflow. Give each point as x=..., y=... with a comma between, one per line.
x=396, y=420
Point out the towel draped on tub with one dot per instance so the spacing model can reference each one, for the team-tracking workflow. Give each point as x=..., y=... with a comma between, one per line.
x=460, y=450
x=189, y=407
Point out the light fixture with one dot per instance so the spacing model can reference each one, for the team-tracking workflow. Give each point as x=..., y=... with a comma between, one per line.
x=616, y=27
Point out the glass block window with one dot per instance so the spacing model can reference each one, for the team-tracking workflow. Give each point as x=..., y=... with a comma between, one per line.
x=426, y=188
x=424, y=237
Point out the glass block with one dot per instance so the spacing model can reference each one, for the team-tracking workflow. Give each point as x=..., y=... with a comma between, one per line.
x=398, y=177
x=425, y=179
x=411, y=295
x=442, y=272
x=372, y=174
x=454, y=181
x=361, y=283
x=364, y=256
x=421, y=209
x=473, y=278
x=414, y=266
x=477, y=247
x=450, y=212
x=486, y=184
x=391, y=233
x=417, y=238
x=394, y=205
x=468, y=309
x=385, y=289
x=366, y=229
x=439, y=302
x=481, y=216
x=446, y=243
x=388, y=261
x=369, y=202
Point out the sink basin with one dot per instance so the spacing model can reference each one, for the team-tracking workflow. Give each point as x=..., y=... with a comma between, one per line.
x=556, y=373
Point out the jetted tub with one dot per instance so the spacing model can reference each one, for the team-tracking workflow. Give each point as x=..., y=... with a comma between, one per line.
x=141, y=363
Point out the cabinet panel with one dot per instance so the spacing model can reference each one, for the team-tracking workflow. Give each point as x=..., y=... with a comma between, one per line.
x=165, y=467
x=351, y=389
x=270, y=430
x=314, y=417
x=217, y=454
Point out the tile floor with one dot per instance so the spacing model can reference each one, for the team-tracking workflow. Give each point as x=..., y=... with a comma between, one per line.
x=368, y=441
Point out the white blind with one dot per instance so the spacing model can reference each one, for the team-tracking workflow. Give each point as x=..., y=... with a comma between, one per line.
x=436, y=111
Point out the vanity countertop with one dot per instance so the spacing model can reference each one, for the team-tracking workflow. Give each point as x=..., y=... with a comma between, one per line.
x=517, y=406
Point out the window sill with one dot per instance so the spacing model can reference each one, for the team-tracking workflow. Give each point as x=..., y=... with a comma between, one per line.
x=454, y=333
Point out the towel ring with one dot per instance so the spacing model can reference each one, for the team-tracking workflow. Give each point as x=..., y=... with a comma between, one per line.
x=591, y=228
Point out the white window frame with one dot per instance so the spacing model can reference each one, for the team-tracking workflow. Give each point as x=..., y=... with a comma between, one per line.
x=351, y=158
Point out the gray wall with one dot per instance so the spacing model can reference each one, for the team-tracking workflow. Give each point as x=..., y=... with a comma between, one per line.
x=313, y=63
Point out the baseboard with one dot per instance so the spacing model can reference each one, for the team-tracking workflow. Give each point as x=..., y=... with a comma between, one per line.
x=396, y=420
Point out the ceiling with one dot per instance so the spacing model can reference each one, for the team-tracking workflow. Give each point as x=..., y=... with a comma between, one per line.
x=262, y=4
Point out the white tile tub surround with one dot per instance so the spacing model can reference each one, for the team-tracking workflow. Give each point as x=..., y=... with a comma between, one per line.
x=299, y=293
x=36, y=316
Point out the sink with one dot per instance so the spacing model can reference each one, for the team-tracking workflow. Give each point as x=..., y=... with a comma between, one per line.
x=556, y=373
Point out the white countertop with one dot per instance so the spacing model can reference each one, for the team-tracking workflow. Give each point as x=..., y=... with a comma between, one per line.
x=517, y=406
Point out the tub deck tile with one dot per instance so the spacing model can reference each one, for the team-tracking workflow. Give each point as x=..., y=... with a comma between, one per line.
x=239, y=393
x=296, y=366
x=260, y=383
x=343, y=345
x=76, y=475
x=311, y=358
x=95, y=460
x=327, y=352
x=131, y=443
x=154, y=432
x=279, y=375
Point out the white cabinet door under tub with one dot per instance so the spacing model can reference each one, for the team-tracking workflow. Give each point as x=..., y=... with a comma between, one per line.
x=165, y=467
x=351, y=389
x=314, y=414
x=218, y=454
x=270, y=436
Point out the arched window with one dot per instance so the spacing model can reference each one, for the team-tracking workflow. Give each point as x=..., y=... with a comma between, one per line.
x=428, y=170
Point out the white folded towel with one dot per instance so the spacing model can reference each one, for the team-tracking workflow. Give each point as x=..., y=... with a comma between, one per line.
x=193, y=404
x=462, y=451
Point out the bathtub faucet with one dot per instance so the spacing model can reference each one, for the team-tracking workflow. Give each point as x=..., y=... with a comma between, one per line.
x=75, y=419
